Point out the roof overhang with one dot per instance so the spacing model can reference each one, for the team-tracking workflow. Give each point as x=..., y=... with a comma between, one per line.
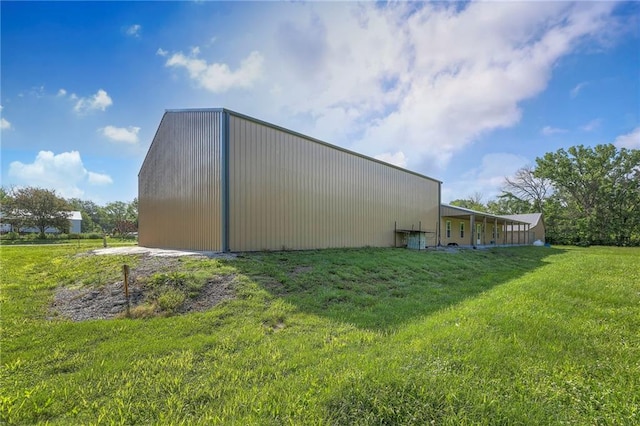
x=447, y=210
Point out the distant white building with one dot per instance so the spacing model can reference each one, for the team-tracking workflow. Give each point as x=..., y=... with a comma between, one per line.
x=75, y=222
x=75, y=226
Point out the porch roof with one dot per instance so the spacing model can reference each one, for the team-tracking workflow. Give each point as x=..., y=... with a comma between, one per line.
x=447, y=210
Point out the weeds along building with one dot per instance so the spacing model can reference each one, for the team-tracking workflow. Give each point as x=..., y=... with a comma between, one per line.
x=217, y=180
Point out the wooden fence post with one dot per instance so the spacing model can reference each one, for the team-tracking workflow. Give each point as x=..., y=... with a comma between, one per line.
x=125, y=270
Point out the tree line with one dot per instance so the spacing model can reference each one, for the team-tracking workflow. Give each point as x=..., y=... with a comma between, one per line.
x=588, y=195
x=40, y=208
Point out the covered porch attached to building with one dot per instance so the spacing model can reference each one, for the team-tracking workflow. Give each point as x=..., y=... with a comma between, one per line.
x=471, y=228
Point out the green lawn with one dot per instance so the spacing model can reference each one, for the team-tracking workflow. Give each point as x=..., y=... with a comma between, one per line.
x=371, y=336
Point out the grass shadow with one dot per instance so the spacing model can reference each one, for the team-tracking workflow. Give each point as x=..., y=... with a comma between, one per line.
x=382, y=288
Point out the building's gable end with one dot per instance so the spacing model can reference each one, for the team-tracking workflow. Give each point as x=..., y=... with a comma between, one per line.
x=179, y=183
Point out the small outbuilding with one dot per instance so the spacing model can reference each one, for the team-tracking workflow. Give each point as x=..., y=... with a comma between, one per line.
x=214, y=179
x=75, y=222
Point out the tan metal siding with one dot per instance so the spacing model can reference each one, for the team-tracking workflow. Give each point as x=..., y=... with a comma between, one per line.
x=290, y=192
x=179, y=184
x=503, y=237
x=455, y=231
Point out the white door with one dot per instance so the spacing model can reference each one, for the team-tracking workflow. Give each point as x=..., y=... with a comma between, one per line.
x=478, y=234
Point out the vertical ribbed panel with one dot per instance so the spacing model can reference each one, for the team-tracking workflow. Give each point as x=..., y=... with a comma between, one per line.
x=290, y=192
x=179, y=183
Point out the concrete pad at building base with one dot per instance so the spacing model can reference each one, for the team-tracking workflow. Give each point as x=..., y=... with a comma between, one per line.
x=156, y=252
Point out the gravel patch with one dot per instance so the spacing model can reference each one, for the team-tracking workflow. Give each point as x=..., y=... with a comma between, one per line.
x=155, y=252
x=89, y=304
x=109, y=301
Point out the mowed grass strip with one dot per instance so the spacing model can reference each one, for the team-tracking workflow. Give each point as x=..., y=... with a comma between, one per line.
x=369, y=336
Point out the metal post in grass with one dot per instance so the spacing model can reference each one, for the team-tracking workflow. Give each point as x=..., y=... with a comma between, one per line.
x=104, y=240
x=125, y=270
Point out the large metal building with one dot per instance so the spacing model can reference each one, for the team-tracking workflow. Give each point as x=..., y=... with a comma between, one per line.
x=217, y=180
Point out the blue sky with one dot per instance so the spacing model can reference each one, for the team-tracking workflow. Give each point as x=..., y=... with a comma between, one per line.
x=464, y=92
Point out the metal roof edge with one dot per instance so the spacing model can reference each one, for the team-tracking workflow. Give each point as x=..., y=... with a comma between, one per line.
x=495, y=216
x=466, y=209
x=293, y=132
x=216, y=109
x=151, y=144
x=538, y=215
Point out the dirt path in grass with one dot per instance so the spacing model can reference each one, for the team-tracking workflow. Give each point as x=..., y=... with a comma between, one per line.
x=109, y=301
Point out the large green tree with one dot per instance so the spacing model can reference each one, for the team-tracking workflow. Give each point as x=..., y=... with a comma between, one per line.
x=36, y=207
x=119, y=217
x=507, y=203
x=473, y=202
x=597, y=194
x=132, y=212
x=526, y=186
x=4, y=195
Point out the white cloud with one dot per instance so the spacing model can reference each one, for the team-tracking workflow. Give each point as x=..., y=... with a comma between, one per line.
x=218, y=77
x=592, y=125
x=62, y=93
x=576, y=90
x=38, y=91
x=487, y=179
x=134, y=30
x=161, y=52
x=548, y=130
x=63, y=172
x=397, y=159
x=121, y=134
x=100, y=101
x=426, y=79
x=630, y=140
x=99, y=178
x=422, y=78
x=4, y=124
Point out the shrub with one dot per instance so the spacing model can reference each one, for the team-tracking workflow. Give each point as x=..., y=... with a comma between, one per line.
x=171, y=300
x=170, y=290
x=143, y=311
x=83, y=236
x=128, y=236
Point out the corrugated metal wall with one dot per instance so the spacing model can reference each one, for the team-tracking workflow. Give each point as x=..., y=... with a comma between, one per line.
x=179, y=183
x=290, y=192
